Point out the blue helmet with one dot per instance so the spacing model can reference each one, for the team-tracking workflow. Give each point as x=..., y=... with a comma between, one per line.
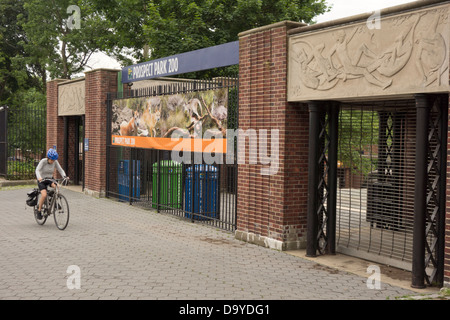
x=52, y=154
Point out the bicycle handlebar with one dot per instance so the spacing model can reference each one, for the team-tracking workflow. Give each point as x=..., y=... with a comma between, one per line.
x=63, y=181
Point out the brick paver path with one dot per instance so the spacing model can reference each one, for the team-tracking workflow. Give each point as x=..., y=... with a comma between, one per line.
x=125, y=252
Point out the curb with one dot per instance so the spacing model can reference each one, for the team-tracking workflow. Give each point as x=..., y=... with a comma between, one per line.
x=10, y=183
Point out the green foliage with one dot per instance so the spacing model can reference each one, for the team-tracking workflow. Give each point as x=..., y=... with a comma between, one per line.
x=358, y=136
x=14, y=76
x=41, y=43
x=176, y=26
x=63, y=50
x=125, y=20
x=27, y=123
x=18, y=170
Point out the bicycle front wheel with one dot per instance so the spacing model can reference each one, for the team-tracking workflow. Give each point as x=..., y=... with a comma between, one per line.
x=61, y=212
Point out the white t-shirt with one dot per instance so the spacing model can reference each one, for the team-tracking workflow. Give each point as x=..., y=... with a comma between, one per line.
x=45, y=170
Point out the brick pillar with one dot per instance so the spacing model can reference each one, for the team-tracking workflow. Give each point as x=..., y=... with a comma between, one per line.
x=55, y=124
x=98, y=83
x=271, y=209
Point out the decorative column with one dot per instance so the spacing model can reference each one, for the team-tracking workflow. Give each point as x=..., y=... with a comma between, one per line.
x=313, y=177
x=420, y=191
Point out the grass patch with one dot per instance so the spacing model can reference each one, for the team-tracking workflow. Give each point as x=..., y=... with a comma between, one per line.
x=18, y=187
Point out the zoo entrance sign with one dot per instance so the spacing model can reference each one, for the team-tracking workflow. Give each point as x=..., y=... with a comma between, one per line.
x=212, y=57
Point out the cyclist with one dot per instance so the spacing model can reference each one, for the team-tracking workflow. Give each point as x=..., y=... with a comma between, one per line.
x=44, y=170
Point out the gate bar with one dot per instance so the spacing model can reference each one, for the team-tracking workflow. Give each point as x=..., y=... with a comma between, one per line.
x=332, y=177
x=313, y=177
x=77, y=152
x=66, y=144
x=83, y=121
x=158, y=179
x=4, y=141
x=420, y=191
x=443, y=99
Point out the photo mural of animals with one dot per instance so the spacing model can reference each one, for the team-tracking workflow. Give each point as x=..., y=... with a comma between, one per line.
x=190, y=115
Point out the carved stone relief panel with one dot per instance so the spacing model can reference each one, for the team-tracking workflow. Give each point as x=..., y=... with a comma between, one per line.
x=408, y=54
x=71, y=98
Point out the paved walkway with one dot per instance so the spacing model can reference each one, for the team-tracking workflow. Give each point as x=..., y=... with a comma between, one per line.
x=124, y=252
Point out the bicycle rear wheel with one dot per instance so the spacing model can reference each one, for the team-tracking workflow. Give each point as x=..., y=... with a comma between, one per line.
x=44, y=208
x=61, y=212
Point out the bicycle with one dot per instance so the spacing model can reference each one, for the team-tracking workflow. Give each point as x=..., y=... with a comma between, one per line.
x=55, y=204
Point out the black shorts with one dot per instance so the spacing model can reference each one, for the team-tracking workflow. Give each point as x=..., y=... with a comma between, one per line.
x=44, y=184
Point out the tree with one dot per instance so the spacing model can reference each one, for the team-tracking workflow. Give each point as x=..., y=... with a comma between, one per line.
x=358, y=140
x=176, y=26
x=127, y=19
x=58, y=41
x=14, y=76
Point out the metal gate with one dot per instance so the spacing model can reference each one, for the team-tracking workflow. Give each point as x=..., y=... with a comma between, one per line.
x=377, y=182
x=22, y=140
x=193, y=190
x=3, y=141
x=375, y=194
x=74, y=148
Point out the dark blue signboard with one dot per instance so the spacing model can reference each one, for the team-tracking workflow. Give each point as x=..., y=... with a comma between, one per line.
x=213, y=57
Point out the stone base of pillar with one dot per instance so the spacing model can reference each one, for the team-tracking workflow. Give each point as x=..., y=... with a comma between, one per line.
x=270, y=242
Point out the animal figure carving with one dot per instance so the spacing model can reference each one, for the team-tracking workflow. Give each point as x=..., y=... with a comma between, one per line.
x=130, y=128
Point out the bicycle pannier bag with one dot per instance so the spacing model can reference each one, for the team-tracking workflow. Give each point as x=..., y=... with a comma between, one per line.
x=32, y=197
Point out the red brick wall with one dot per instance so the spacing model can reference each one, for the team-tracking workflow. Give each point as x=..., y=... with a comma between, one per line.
x=271, y=206
x=55, y=124
x=98, y=83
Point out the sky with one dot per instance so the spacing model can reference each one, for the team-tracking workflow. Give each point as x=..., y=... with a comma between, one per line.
x=340, y=9
x=346, y=8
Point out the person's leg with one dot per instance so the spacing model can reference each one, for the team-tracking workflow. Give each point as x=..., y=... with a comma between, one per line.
x=42, y=199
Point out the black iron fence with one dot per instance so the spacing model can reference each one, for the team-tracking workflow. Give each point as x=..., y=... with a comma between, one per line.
x=380, y=192
x=153, y=178
x=22, y=141
x=194, y=190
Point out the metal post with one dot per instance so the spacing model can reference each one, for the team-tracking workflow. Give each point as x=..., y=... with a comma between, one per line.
x=313, y=177
x=332, y=177
x=158, y=179
x=83, y=119
x=66, y=145
x=130, y=176
x=4, y=141
x=76, y=153
x=442, y=190
x=192, y=184
x=218, y=175
x=420, y=191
